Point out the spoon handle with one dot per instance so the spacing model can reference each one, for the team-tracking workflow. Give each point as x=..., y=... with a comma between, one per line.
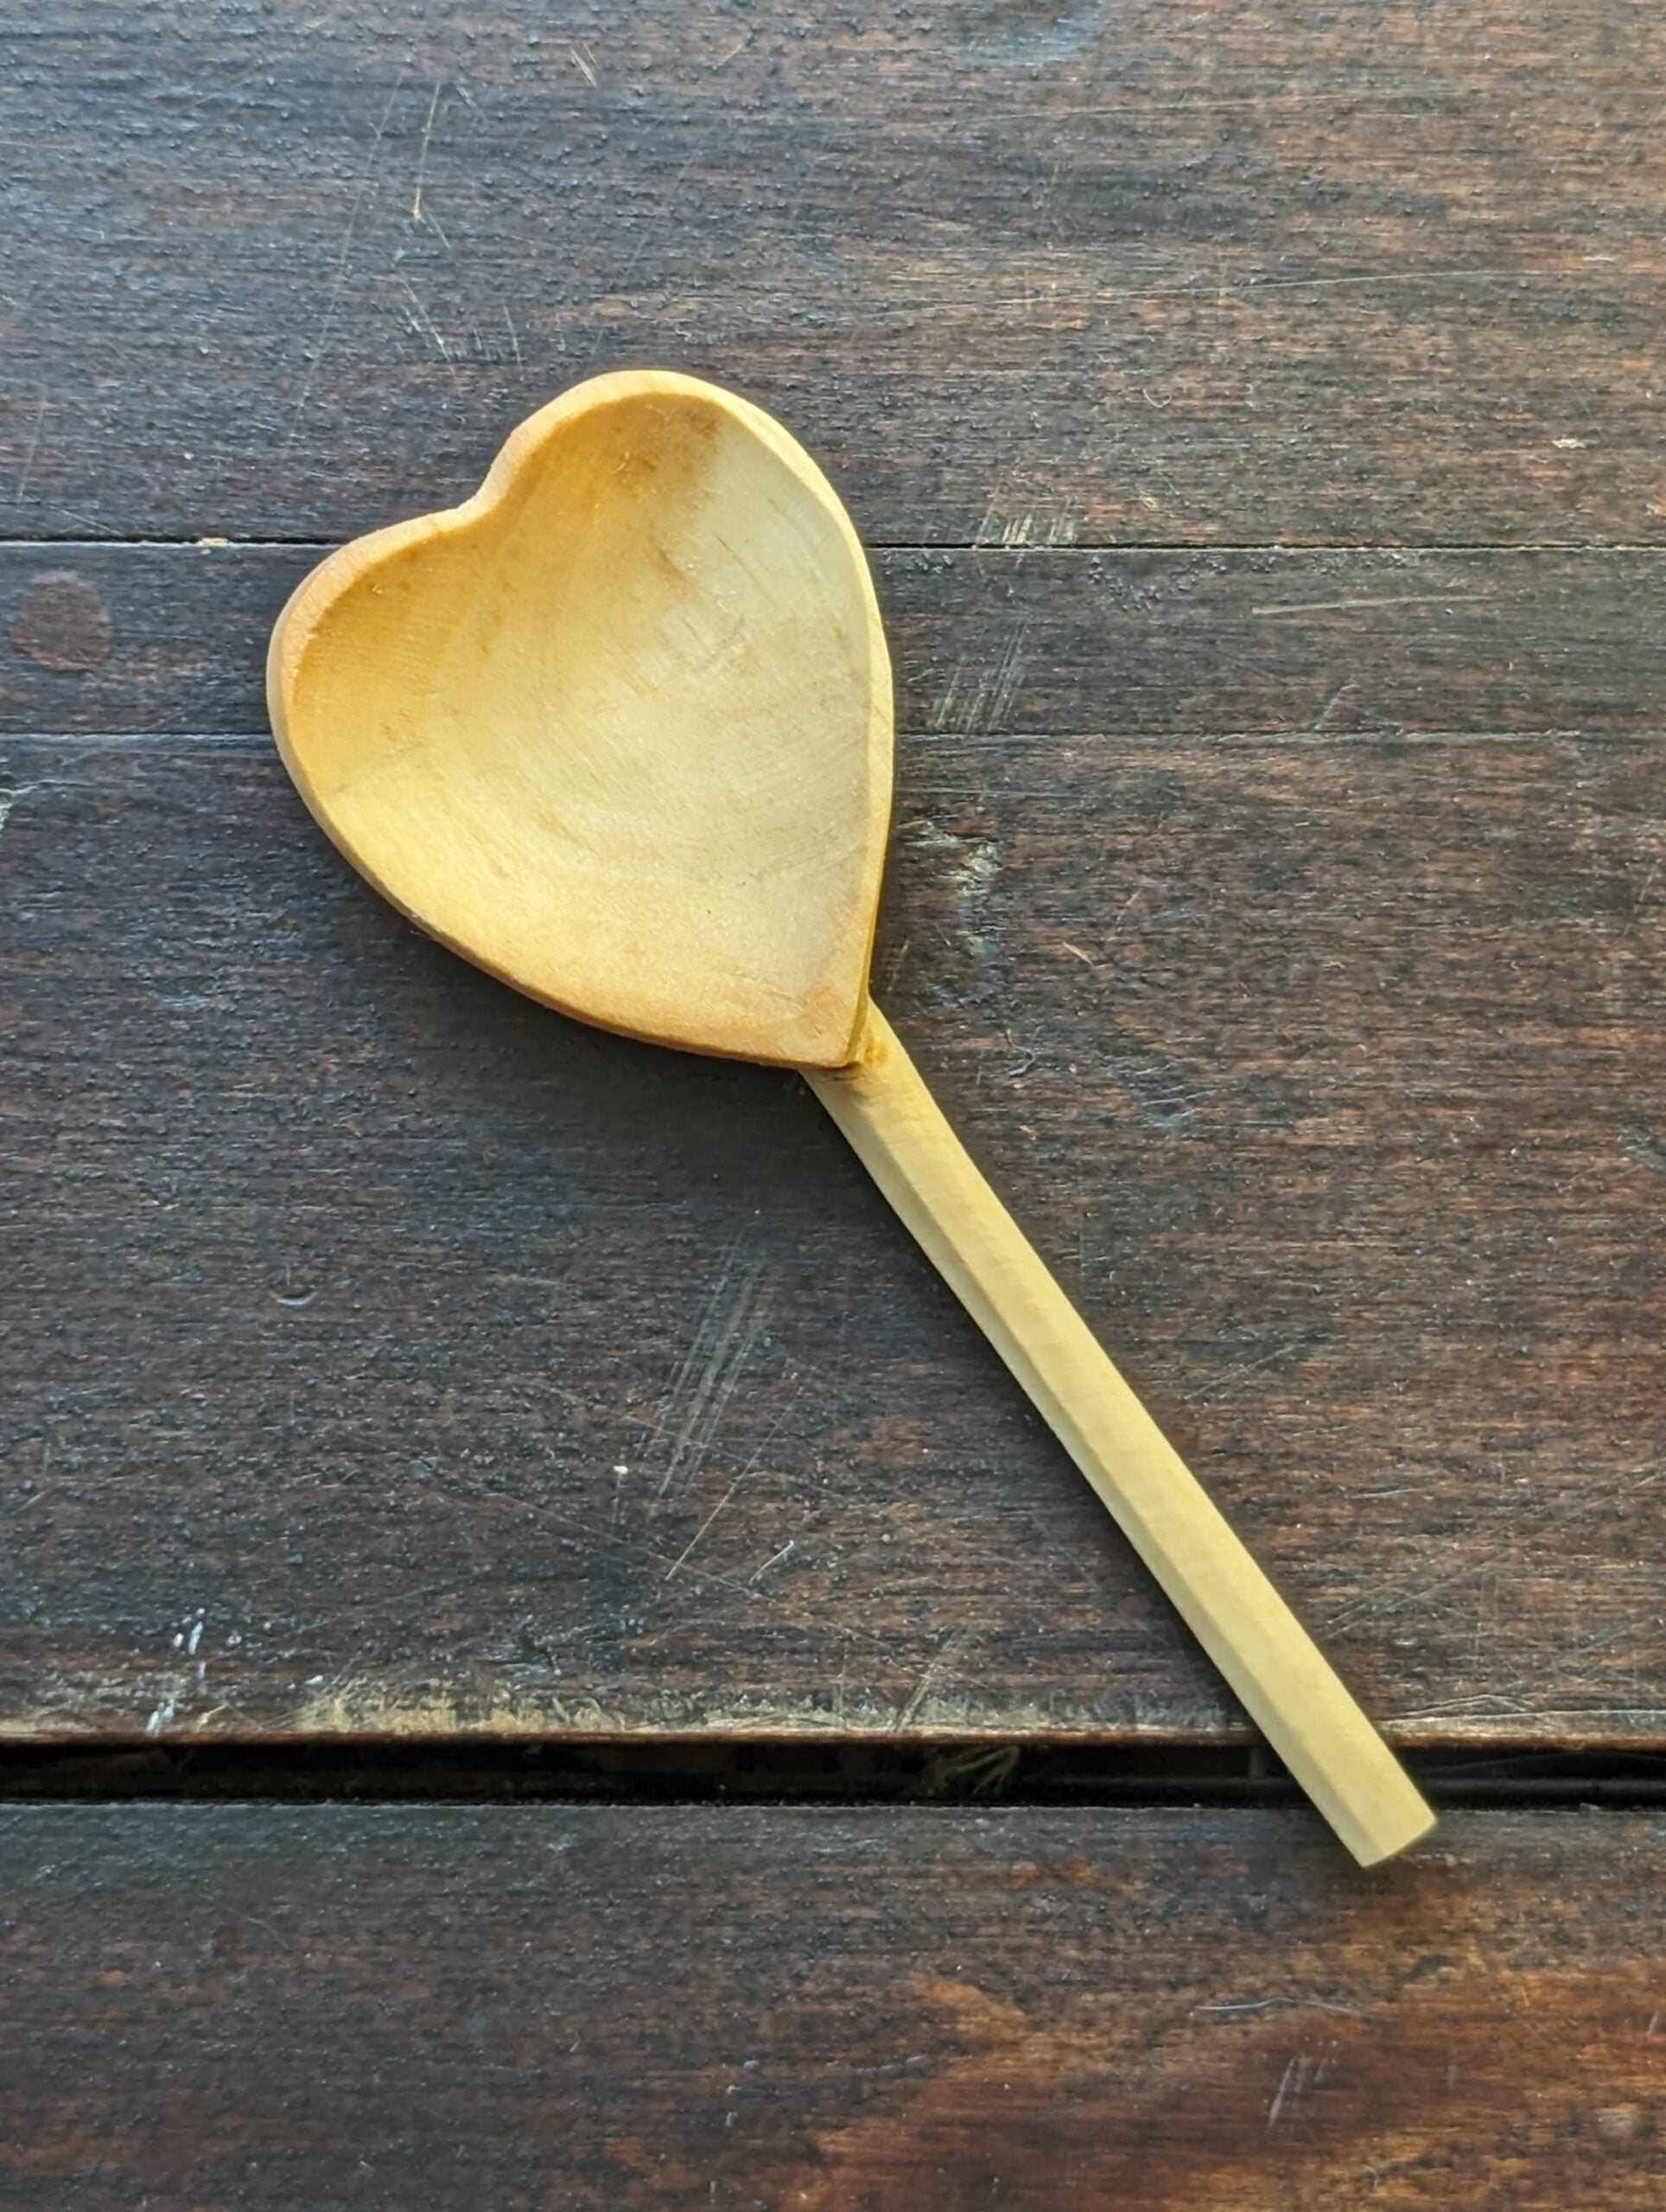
x=899, y=1132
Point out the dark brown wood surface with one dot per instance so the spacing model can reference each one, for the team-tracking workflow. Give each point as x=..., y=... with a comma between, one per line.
x=826, y=2011
x=1254, y=409
x=385, y=1351
x=1279, y=921
x=1039, y=271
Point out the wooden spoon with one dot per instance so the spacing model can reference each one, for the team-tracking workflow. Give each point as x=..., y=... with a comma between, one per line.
x=618, y=730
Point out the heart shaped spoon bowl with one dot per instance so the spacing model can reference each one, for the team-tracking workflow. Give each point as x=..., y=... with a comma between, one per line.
x=477, y=706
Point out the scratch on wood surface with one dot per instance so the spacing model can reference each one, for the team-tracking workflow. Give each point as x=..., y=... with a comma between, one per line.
x=984, y=707
x=1289, y=2089
x=33, y=447
x=422, y=158
x=334, y=299
x=652, y=1555
x=1395, y=1597
x=1029, y=532
x=1232, y=2007
x=893, y=965
x=953, y=1646
x=732, y=1324
x=428, y=326
x=1645, y=888
x=722, y=1504
x=1321, y=721
x=1230, y=1378
x=1301, y=2075
x=750, y=1468
x=1347, y=606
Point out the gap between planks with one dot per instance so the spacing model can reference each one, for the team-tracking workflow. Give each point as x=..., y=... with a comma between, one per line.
x=764, y=1770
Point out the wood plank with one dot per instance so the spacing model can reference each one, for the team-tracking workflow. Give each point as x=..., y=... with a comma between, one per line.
x=171, y=640
x=827, y=2009
x=1241, y=272
x=388, y=1354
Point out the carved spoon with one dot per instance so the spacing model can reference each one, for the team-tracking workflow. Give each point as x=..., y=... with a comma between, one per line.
x=618, y=730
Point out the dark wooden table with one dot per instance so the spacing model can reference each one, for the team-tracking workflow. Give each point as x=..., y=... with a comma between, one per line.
x=565, y=1673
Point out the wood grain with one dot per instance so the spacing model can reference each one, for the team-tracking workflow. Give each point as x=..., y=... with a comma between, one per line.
x=1277, y=641
x=386, y=1353
x=434, y=2010
x=1032, y=273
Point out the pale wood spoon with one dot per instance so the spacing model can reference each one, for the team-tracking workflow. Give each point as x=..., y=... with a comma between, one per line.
x=618, y=730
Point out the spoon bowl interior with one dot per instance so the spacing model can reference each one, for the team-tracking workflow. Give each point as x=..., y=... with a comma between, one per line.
x=618, y=729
